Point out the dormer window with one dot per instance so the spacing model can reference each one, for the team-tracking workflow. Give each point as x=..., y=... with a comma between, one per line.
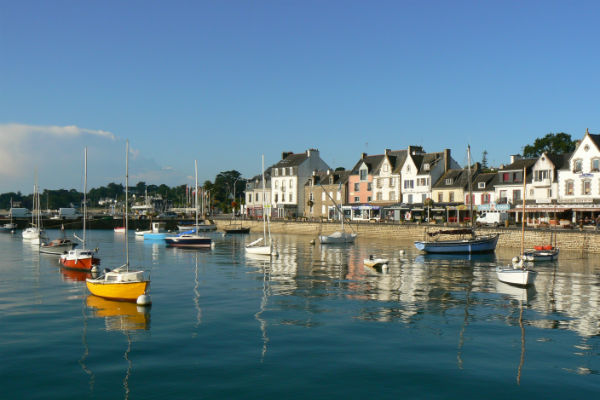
x=448, y=181
x=363, y=174
x=385, y=167
x=426, y=167
x=276, y=172
x=291, y=170
x=481, y=185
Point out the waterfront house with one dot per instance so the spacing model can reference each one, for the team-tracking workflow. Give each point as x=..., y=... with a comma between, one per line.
x=579, y=180
x=451, y=192
x=256, y=195
x=509, y=181
x=421, y=171
x=387, y=178
x=326, y=193
x=360, y=188
x=288, y=178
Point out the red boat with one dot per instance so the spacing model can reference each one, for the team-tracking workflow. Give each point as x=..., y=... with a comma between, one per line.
x=79, y=259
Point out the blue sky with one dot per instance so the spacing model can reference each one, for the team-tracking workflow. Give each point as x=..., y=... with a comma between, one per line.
x=226, y=81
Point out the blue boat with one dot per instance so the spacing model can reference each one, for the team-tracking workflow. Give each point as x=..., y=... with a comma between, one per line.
x=463, y=245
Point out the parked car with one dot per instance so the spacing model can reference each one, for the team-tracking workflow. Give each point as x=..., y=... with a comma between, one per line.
x=494, y=218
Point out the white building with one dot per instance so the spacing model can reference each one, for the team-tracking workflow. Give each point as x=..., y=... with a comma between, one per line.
x=288, y=178
x=421, y=171
x=580, y=183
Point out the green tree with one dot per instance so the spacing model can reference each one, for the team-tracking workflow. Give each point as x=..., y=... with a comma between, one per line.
x=554, y=143
x=484, y=161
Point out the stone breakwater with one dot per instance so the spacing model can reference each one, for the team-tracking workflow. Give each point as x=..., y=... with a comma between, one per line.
x=585, y=241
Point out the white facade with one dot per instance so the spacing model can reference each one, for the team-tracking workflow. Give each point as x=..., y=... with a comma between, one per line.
x=386, y=185
x=543, y=187
x=417, y=180
x=288, y=180
x=581, y=182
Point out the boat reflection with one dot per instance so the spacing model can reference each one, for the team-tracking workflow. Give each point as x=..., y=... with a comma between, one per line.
x=120, y=315
x=73, y=275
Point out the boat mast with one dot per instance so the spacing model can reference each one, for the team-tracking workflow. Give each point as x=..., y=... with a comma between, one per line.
x=196, y=193
x=263, y=200
x=523, y=216
x=84, y=194
x=470, y=185
x=126, y=199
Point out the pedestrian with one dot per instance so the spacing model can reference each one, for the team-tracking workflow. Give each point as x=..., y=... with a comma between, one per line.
x=598, y=222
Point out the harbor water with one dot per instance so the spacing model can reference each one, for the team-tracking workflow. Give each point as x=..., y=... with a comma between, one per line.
x=312, y=323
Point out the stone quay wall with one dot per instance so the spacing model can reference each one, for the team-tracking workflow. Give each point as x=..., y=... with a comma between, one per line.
x=584, y=241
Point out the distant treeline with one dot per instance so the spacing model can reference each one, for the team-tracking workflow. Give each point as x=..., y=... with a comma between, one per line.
x=221, y=194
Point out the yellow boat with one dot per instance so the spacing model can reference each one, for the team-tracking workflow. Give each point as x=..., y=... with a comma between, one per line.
x=119, y=284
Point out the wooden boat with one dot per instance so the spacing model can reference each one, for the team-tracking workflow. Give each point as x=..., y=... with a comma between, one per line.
x=518, y=274
x=190, y=239
x=239, y=230
x=121, y=283
x=543, y=253
x=57, y=246
x=255, y=247
x=81, y=259
x=467, y=241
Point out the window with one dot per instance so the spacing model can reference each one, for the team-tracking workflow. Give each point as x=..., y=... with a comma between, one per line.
x=339, y=196
x=311, y=197
x=378, y=182
x=423, y=198
x=451, y=197
x=322, y=196
x=276, y=197
x=392, y=196
x=283, y=171
x=369, y=187
x=506, y=177
x=409, y=198
x=291, y=198
x=331, y=195
x=448, y=181
x=440, y=197
x=363, y=174
x=569, y=190
x=518, y=177
x=249, y=198
x=276, y=183
x=485, y=198
x=409, y=184
x=385, y=167
x=291, y=171
x=256, y=197
x=323, y=209
x=577, y=164
x=426, y=167
x=392, y=183
x=481, y=185
x=586, y=187
x=357, y=187
x=530, y=192
x=357, y=199
x=408, y=168
x=291, y=183
x=369, y=198
x=422, y=181
x=379, y=196
x=516, y=196
x=541, y=175
x=503, y=196
x=596, y=165
x=276, y=171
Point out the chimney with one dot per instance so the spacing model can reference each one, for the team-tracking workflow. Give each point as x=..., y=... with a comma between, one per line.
x=285, y=154
x=387, y=152
x=328, y=171
x=446, y=160
x=363, y=156
x=414, y=150
x=514, y=158
x=311, y=151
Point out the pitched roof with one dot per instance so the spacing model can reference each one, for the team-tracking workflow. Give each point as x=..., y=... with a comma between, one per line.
x=595, y=139
x=458, y=179
x=560, y=161
x=291, y=160
x=372, y=162
x=486, y=177
x=519, y=164
x=323, y=178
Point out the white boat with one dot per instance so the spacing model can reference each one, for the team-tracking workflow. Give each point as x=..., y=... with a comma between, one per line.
x=122, y=283
x=57, y=246
x=374, y=262
x=157, y=232
x=264, y=244
x=10, y=227
x=517, y=273
x=340, y=236
x=190, y=239
x=204, y=226
x=35, y=233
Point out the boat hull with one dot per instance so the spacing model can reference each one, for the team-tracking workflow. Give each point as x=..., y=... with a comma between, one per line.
x=237, y=230
x=84, y=261
x=260, y=250
x=122, y=291
x=155, y=236
x=517, y=277
x=541, y=255
x=337, y=238
x=200, y=242
x=467, y=246
x=200, y=227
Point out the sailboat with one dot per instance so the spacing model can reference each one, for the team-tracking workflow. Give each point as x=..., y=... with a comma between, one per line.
x=517, y=273
x=255, y=247
x=190, y=239
x=122, y=283
x=81, y=259
x=468, y=241
x=35, y=234
x=10, y=227
x=340, y=236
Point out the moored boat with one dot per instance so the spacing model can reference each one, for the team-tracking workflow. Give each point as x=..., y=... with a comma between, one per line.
x=516, y=275
x=57, y=246
x=467, y=243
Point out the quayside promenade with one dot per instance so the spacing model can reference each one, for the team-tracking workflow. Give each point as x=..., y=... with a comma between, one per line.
x=585, y=241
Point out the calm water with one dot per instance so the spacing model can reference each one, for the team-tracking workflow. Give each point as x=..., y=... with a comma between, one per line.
x=314, y=323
